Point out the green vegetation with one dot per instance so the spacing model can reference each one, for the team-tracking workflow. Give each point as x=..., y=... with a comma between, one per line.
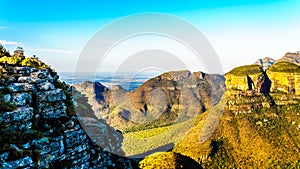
x=220, y=155
x=19, y=139
x=265, y=138
x=246, y=70
x=286, y=67
x=18, y=59
x=194, y=144
x=168, y=160
x=164, y=120
x=69, y=101
x=5, y=106
x=146, y=140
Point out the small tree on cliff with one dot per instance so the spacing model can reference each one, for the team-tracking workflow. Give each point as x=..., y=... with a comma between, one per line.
x=19, y=52
x=3, y=51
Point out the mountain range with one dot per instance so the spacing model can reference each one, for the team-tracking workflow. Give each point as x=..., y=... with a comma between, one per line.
x=160, y=101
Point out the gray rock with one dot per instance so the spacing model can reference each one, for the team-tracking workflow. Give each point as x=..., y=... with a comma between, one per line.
x=20, y=87
x=51, y=96
x=11, y=79
x=39, y=74
x=70, y=124
x=21, y=99
x=52, y=110
x=29, y=79
x=26, y=146
x=24, y=126
x=74, y=137
x=24, y=68
x=20, y=115
x=55, y=78
x=20, y=163
x=3, y=157
x=44, y=86
x=7, y=98
x=14, y=147
x=40, y=143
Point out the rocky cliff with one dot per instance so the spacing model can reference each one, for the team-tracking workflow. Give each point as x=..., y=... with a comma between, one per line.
x=39, y=126
x=250, y=87
x=247, y=89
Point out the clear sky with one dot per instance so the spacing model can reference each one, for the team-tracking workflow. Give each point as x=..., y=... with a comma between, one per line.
x=241, y=31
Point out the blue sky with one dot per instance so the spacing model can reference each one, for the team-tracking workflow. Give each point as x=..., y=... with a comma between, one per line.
x=241, y=31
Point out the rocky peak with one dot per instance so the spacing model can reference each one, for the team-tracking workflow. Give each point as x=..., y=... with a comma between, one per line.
x=292, y=57
x=265, y=62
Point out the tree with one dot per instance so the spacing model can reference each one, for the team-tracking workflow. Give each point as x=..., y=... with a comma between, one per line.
x=3, y=51
x=19, y=52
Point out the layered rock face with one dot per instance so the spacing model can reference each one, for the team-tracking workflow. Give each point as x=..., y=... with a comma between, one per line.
x=247, y=87
x=44, y=131
x=250, y=88
x=285, y=79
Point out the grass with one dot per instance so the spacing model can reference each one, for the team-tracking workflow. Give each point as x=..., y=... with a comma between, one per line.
x=168, y=160
x=246, y=70
x=146, y=140
x=196, y=144
x=286, y=67
x=22, y=61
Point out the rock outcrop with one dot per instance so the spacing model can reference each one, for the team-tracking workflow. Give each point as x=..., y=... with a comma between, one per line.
x=265, y=63
x=250, y=88
x=247, y=89
x=285, y=77
x=43, y=131
x=292, y=57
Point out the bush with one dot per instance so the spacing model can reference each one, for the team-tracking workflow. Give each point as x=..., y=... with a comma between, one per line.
x=5, y=106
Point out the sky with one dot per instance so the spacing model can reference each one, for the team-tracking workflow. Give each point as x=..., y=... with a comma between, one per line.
x=240, y=31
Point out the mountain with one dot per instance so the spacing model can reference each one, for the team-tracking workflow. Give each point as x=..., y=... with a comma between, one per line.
x=265, y=62
x=291, y=57
x=172, y=96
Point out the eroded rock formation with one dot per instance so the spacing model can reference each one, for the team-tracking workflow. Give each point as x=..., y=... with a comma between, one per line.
x=247, y=89
x=250, y=88
x=43, y=131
